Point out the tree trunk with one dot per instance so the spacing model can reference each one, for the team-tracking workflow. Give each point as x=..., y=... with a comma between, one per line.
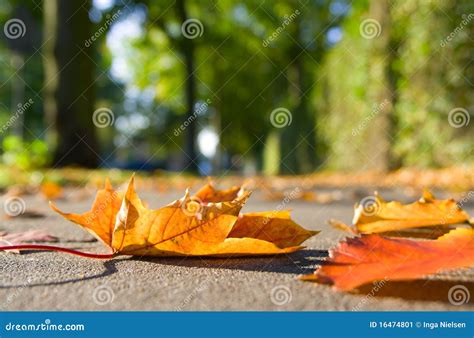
x=298, y=139
x=22, y=47
x=69, y=94
x=380, y=90
x=187, y=49
x=18, y=92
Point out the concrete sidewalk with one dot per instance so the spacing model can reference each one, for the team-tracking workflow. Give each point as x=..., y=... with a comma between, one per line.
x=57, y=281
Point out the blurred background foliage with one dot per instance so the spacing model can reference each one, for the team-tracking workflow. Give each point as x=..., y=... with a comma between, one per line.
x=360, y=98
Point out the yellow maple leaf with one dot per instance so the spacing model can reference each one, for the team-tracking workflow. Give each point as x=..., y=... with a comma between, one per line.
x=374, y=215
x=187, y=227
x=209, y=193
x=272, y=226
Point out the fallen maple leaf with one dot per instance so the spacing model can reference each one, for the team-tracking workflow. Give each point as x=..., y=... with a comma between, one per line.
x=11, y=239
x=272, y=226
x=51, y=190
x=371, y=258
x=301, y=195
x=209, y=194
x=374, y=215
x=187, y=227
x=100, y=220
x=27, y=236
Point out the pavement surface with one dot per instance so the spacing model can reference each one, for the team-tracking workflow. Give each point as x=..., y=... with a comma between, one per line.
x=37, y=280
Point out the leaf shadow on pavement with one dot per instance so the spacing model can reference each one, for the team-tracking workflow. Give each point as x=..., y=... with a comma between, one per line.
x=300, y=262
x=110, y=269
x=417, y=290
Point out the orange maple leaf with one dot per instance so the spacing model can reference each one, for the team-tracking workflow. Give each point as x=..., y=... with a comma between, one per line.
x=100, y=220
x=371, y=258
x=186, y=226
